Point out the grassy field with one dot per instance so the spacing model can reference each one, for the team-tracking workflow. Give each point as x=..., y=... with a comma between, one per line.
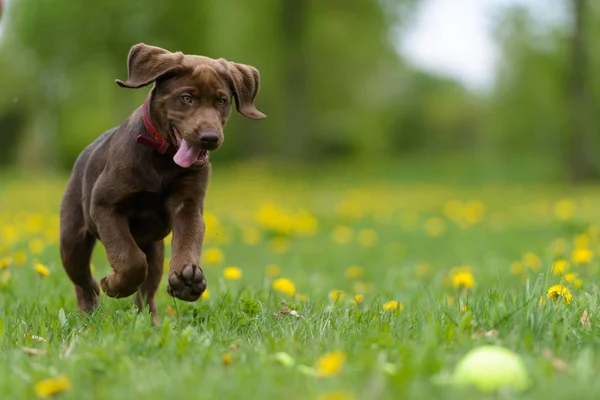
x=386, y=282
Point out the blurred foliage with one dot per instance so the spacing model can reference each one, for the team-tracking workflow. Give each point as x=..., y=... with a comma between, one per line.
x=534, y=104
x=59, y=60
x=332, y=81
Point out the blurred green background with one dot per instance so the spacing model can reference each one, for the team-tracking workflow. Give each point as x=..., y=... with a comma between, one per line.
x=335, y=85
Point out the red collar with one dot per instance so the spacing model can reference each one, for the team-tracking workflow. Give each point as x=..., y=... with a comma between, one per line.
x=156, y=143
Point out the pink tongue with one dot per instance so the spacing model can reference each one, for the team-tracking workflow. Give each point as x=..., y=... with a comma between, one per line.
x=186, y=155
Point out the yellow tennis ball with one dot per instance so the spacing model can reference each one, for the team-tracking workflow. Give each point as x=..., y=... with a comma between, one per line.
x=490, y=368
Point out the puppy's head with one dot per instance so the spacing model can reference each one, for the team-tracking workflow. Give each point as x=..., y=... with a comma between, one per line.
x=193, y=95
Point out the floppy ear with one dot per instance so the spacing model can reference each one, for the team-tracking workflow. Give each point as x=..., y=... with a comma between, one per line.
x=145, y=64
x=245, y=81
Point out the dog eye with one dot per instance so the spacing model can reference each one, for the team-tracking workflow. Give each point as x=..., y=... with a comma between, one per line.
x=222, y=101
x=187, y=98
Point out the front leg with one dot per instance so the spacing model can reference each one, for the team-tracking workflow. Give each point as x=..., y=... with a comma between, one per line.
x=128, y=262
x=186, y=278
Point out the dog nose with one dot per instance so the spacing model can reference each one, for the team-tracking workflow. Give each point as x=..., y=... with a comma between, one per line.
x=209, y=139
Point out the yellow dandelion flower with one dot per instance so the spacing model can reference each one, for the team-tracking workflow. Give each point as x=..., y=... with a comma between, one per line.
x=337, y=396
x=36, y=246
x=10, y=234
x=559, y=291
x=474, y=212
x=574, y=279
x=330, y=364
x=280, y=245
x=560, y=267
x=42, y=270
x=52, y=386
x=211, y=220
x=285, y=222
x=284, y=286
x=337, y=295
x=273, y=270
x=275, y=219
x=5, y=262
x=354, y=272
x=232, y=273
x=214, y=230
x=213, y=256
x=305, y=224
x=516, y=268
x=393, y=305
x=226, y=359
x=34, y=223
x=205, y=295
x=359, y=299
x=251, y=236
x=450, y=300
x=581, y=256
x=435, y=227
x=532, y=261
x=581, y=241
x=342, y=234
x=464, y=307
x=463, y=280
x=464, y=215
x=564, y=210
x=367, y=237
x=350, y=209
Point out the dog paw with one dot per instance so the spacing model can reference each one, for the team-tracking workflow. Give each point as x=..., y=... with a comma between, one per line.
x=113, y=287
x=188, y=285
x=87, y=297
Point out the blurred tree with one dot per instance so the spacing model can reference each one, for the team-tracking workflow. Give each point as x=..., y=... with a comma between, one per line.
x=528, y=112
x=583, y=149
x=356, y=75
x=436, y=114
x=545, y=102
x=294, y=15
x=332, y=82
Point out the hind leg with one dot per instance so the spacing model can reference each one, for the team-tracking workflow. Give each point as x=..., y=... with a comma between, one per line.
x=76, y=246
x=155, y=254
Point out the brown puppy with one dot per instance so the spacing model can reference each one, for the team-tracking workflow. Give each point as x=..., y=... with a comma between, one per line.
x=139, y=181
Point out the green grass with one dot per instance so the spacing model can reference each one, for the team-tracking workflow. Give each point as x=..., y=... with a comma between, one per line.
x=116, y=353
